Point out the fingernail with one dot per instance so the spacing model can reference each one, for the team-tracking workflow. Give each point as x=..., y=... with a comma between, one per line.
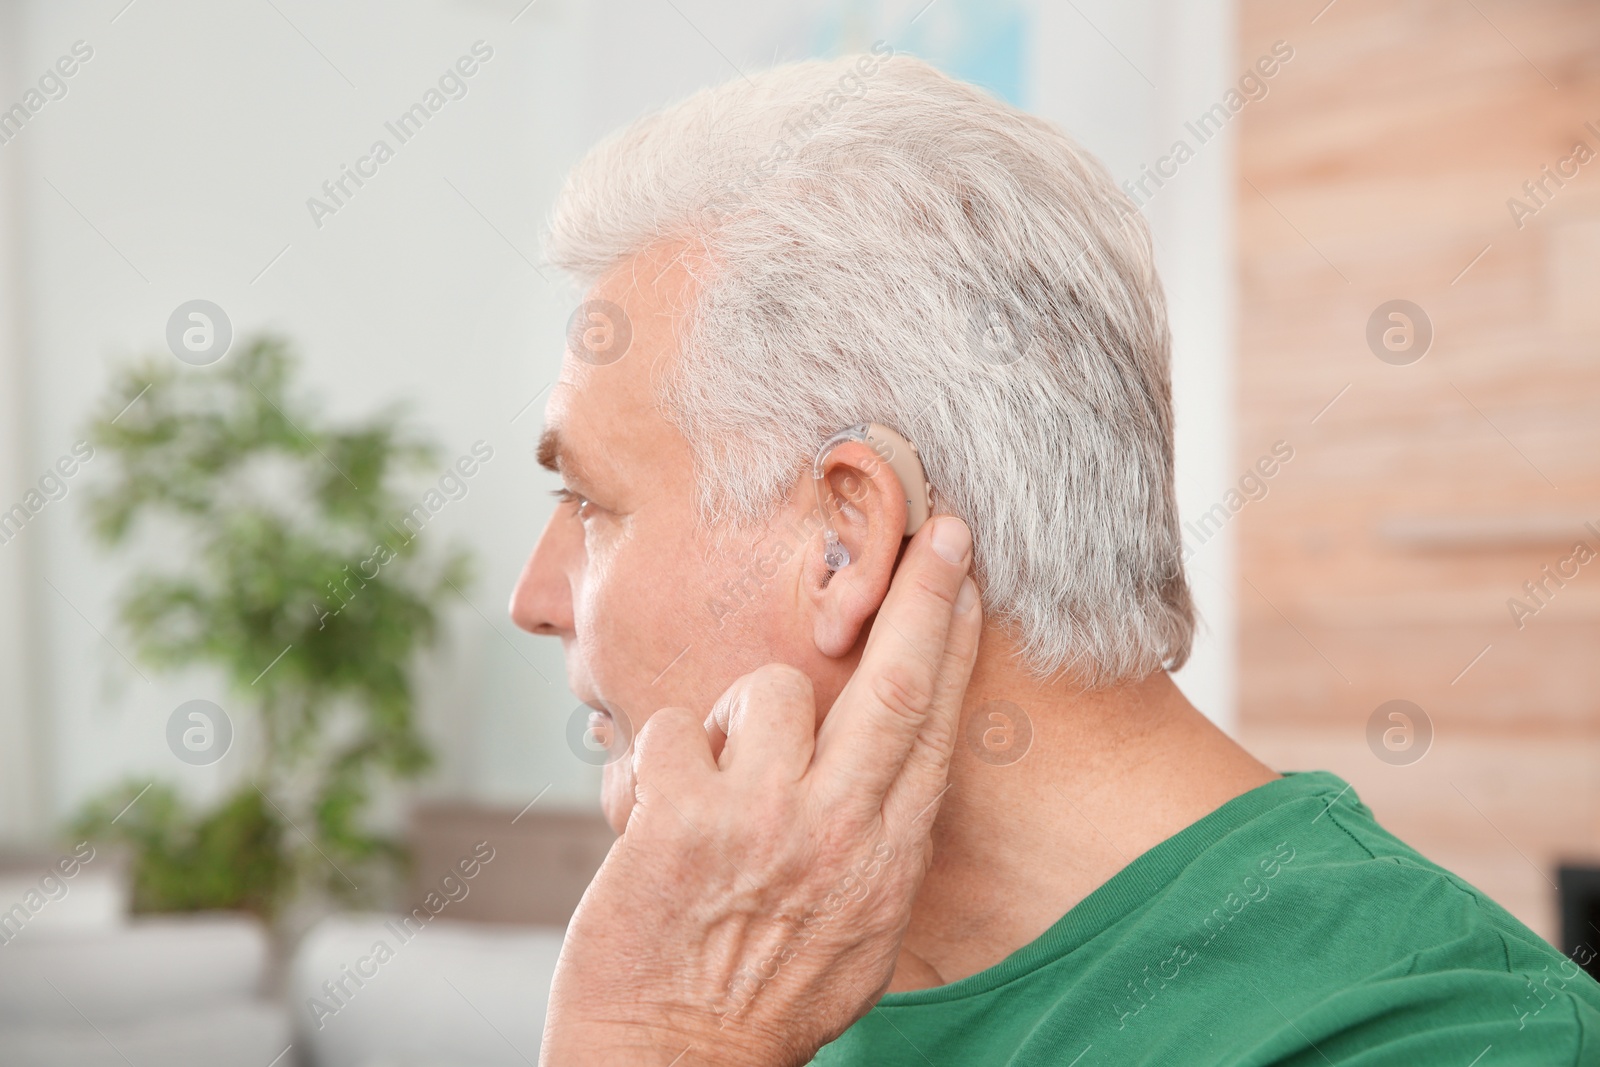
x=951, y=538
x=967, y=597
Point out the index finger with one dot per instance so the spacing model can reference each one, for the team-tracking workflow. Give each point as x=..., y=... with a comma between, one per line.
x=873, y=724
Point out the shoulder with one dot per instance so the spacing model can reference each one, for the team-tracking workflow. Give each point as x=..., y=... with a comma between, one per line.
x=1377, y=901
x=1459, y=1016
x=1406, y=962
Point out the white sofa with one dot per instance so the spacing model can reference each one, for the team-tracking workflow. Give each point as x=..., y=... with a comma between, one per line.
x=81, y=985
x=455, y=994
x=180, y=992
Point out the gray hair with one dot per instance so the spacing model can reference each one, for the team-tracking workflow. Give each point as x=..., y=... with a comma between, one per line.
x=875, y=241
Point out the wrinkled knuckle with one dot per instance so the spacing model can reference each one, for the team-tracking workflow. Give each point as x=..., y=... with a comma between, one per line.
x=903, y=693
x=931, y=586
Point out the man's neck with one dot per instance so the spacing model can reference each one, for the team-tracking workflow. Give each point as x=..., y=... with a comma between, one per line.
x=1106, y=776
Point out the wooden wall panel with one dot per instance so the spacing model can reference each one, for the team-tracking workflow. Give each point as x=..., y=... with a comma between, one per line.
x=1423, y=497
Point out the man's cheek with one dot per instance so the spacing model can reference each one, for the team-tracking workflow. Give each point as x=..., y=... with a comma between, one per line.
x=593, y=641
x=622, y=634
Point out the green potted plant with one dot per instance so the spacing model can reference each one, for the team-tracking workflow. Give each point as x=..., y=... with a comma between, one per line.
x=292, y=572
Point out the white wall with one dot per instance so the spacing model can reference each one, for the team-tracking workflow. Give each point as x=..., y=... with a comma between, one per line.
x=20, y=748
x=179, y=164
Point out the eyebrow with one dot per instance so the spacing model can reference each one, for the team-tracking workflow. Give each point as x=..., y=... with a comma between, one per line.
x=549, y=453
x=555, y=455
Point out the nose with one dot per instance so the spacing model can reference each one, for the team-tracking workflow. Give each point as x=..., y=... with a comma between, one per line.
x=541, y=603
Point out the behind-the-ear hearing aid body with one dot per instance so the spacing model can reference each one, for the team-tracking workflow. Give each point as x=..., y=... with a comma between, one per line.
x=901, y=456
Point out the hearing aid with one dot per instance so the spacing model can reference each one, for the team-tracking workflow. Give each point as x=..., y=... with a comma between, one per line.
x=904, y=463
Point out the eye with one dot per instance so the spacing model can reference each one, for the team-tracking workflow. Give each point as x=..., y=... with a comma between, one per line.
x=567, y=496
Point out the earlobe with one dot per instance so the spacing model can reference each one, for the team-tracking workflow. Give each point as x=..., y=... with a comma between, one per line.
x=845, y=600
x=847, y=577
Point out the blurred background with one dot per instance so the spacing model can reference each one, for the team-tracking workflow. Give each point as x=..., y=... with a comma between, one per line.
x=269, y=394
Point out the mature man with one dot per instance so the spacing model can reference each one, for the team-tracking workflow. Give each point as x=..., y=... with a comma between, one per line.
x=881, y=811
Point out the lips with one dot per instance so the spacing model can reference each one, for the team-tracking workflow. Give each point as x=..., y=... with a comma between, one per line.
x=602, y=727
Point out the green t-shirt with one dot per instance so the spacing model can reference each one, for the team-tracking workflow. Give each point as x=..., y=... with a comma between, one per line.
x=1286, y=927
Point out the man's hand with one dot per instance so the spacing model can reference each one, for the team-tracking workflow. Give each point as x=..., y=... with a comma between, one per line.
x=755, y=905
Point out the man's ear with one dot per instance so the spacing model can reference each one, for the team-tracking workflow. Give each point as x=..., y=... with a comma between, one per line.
x=868, y=509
